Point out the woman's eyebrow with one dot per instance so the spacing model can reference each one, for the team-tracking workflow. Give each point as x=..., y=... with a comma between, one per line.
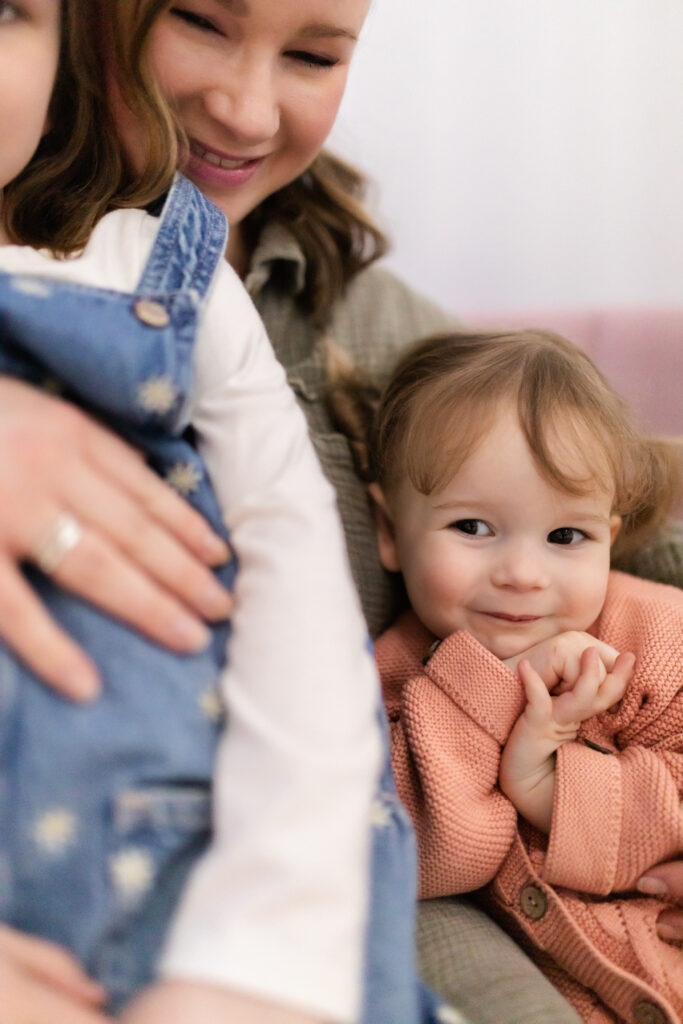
x=327, y=32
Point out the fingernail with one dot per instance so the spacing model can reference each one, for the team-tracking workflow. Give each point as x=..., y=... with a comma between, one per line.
x=652, y=887
x=82, y=682
x=191, y=634
x=215, y=601
x=665, y=931
x=215, y=550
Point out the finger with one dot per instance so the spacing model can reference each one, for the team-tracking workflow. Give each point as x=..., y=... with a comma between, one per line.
x=98, y=572
x=591, y=674
x=615, y=685
x=535, y=690
x=149, y=547
x=52, y=964
x=119, y=462
x=663, y=880
x=30, y=1001
x=35, y=638
x=670, y=925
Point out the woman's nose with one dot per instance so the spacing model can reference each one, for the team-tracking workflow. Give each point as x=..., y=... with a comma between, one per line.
x=246, y=106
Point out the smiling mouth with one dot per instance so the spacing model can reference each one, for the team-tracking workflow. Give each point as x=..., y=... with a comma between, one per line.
x=227, y=163
x=512, y=618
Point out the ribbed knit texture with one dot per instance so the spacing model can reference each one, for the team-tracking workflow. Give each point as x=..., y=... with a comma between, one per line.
x=614, y=815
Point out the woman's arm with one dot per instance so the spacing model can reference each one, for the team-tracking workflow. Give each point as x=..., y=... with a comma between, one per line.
x=143, y=555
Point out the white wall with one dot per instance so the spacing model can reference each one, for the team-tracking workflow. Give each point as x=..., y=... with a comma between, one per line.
x=527, y=152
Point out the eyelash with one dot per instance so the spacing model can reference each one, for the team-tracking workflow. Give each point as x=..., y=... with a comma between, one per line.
x=312, y=60
x=196, y=20
x=573, y=529
x=458, y=525
x=10, y=8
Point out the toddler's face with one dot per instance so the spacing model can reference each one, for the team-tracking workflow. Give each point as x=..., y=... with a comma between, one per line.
x=500, y=551
x=29, y=51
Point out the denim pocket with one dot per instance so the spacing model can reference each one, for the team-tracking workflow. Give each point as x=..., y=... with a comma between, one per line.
x=157, y=835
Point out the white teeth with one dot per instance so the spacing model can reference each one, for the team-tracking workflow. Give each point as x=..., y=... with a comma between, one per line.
x=217, y=161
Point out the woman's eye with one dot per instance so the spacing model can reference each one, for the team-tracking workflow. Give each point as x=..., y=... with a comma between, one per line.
x=566, y=535
x=472, y=527
x=314, y=60
x=196, y=20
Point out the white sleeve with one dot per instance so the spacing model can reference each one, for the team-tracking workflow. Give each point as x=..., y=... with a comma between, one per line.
x=278, y=904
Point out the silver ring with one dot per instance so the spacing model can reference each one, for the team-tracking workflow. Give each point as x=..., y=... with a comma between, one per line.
x=65, y=535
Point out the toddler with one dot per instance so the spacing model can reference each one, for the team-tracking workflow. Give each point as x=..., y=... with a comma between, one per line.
x=536, y=761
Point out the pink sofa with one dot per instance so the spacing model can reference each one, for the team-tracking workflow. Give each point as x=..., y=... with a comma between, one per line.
x=639, y=350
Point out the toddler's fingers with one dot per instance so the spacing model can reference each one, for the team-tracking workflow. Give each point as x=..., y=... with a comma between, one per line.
x=591, y=674
x=616, y=683
x=535, y=689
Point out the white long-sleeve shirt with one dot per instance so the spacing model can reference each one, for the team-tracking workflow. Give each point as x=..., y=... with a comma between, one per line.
x=277, y=905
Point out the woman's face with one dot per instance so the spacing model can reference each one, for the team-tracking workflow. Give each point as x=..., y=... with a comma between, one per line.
x=256, y=84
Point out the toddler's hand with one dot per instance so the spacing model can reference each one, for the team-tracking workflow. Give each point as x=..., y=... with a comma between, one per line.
x=557, y=660
x=595, y=690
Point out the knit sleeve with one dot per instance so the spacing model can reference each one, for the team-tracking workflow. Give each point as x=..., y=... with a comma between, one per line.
x=447, y=724
x=618, y=789
x=614, y=815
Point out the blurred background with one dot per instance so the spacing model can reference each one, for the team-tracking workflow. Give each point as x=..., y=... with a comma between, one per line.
x=525, y=153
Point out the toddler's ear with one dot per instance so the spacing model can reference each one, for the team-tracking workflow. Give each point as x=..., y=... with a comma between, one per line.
x=614, y=527
x=384, y=527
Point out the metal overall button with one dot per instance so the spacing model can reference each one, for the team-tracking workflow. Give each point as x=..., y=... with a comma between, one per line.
x=533, y=902
x=151, y=313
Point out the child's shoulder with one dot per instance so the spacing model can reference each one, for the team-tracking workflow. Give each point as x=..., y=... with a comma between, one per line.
x=640, y=612
x=113, y=257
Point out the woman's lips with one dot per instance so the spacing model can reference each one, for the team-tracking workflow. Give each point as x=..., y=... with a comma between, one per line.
x=220, y=169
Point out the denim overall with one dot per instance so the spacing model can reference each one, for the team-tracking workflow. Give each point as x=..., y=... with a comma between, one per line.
x=105, y=807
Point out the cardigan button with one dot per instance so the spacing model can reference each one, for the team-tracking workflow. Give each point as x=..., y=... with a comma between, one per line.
x=151, y=313
x=533, y=902
x=645, y=1012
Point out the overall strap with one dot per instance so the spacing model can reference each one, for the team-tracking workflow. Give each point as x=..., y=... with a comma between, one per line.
x=189, y=244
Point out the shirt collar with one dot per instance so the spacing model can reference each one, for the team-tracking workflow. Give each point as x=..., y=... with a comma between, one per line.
x=276, y=245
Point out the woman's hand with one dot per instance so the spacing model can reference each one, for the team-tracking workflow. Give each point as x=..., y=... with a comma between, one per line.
x=666, y=880
x=177, y=1002
x=40, y=983
x=143, y=553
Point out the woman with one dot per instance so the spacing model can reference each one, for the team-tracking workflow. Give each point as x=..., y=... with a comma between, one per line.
x=256, y=89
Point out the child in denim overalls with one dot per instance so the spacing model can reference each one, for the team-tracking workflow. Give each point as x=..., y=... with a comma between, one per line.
x=105, y=807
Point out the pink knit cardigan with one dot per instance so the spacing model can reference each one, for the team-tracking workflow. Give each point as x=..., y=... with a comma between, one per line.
x=567, y=897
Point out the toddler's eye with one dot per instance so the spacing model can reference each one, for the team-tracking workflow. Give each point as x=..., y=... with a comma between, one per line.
x=565, y=535
x=472, y=527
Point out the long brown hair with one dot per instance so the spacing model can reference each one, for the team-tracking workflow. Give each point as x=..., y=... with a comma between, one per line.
x=442, y=399
x=323, y=209
x=79, y=171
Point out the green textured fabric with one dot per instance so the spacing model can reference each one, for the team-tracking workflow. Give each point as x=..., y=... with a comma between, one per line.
x=475, y=966
x=464, y=955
